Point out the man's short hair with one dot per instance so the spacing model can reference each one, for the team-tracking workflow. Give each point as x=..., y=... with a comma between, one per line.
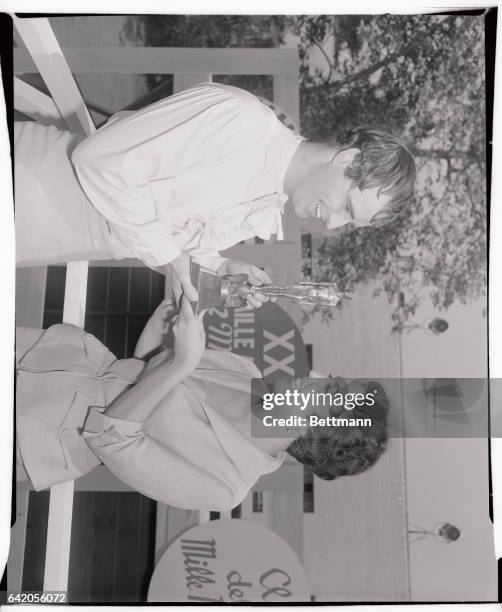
x=383, y=162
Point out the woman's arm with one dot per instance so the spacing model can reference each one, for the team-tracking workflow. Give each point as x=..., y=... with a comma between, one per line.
x=151, y=339
x=139, y=402
x=155, y=470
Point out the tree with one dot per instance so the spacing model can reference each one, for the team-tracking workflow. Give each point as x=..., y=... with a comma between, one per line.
x=422, y=78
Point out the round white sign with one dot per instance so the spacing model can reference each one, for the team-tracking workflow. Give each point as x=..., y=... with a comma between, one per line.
x=230, y=561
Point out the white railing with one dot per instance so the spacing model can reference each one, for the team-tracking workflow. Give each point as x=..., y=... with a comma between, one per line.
x=36, y=104
x=39, y=39
x=67, y=107
x=171, y=60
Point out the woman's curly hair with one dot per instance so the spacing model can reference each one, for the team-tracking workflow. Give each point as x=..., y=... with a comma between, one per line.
x=349, y=450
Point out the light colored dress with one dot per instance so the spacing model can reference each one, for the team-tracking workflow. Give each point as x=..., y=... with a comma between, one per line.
x=195, y=172
x=194, y=451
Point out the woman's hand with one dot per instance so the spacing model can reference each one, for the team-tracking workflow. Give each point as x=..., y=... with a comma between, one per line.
x=256, y=277
x=138, y=402
x=178, y=278
x=154, y=332
x=189, y=337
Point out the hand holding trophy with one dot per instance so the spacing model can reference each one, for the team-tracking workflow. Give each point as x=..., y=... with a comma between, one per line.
x=235, y=290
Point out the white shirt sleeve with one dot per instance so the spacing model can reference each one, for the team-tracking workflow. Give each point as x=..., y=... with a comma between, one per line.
x=117, y=164
x=155, y=470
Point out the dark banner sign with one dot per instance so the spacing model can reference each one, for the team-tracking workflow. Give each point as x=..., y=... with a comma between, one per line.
x=266, y=335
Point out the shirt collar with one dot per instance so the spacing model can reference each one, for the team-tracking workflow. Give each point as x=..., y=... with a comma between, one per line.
x=283, y=146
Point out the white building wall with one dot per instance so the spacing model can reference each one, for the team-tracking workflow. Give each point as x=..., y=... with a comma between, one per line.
x=444, y=480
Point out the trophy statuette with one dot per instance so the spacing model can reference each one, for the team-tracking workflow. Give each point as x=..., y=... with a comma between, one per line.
x=233, y=290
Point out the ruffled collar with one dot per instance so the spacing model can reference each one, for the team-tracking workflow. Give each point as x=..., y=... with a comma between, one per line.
x=224, y=228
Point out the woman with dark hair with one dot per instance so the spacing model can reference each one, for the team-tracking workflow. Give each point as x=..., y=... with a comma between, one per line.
x=346, y=451
x=173, y=425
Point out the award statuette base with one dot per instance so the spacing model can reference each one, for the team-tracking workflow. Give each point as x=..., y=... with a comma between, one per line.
x=209, y=288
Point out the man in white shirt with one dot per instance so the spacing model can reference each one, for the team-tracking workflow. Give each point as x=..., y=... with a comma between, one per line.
x=204, y=169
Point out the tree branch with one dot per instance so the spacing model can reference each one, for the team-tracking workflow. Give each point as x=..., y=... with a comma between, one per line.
x=444, y=154
x=371, y=69
x=327, y=79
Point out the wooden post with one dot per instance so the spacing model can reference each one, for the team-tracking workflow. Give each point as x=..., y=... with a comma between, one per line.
x=46, y=54
x=36, y=104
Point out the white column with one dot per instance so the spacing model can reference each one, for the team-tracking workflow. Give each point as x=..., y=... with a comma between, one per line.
x=45, y=52
x=185, y=81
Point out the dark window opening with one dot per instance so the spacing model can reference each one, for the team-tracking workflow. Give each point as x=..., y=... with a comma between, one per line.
x=112, y=553
x=308, y=489
x=119, y=302
x=257, y=501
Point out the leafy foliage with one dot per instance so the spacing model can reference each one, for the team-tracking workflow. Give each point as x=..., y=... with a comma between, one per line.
x=420, y=78
x=214, y=30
